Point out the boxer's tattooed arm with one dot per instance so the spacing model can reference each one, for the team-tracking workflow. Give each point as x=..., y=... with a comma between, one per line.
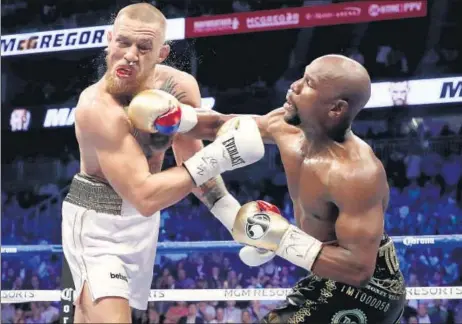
x=171, y=86
x=211, y=191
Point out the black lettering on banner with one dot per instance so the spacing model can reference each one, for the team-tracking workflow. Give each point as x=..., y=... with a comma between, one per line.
x=67, y=292
x=71, y=38
x=98, y=37
x=450, y=89
x=84, y=38
x=29, y=43
x=7, y=45
x=58, y=40
x=45, y=43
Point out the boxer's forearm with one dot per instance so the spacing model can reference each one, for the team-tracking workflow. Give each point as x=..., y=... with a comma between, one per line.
x=211, y=191
x=339, y=264
x=208, y=124
x=163, y=189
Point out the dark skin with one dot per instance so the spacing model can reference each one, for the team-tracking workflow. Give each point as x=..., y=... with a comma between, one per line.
x=338, y=187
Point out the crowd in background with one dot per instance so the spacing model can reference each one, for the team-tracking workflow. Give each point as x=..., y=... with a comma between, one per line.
x=425, y=199
x=423, y=162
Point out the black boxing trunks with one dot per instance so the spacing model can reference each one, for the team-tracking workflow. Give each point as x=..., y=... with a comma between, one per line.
x=322, y=301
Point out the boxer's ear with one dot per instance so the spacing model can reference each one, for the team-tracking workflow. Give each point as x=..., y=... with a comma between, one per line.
x=338, y=108
x=164, y=52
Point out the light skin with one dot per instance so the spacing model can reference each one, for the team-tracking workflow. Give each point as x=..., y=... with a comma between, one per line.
x=338, y=187
x=130, y=161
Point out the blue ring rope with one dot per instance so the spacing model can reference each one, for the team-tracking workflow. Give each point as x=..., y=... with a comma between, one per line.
x=232, y=246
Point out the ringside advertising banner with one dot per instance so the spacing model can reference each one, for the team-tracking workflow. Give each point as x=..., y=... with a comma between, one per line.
x=302, y=17
x=226, y=24
x=384, y=94
x=72, y=39
x=416, y=92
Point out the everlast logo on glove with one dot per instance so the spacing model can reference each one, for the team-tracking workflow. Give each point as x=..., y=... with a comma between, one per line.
x=257, y=226
x=230, y=145
x=118, y=276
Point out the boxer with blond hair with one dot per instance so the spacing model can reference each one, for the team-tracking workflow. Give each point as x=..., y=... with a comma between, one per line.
x=111, y=214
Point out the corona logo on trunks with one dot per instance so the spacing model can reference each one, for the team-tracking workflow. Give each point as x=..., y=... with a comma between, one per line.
x=257, y=226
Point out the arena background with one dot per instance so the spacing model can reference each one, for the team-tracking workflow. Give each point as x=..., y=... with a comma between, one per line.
x=244, y=58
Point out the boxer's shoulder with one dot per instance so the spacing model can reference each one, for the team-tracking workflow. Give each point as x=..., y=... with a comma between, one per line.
x=361, y=178
x=97, y=111
x=180, y=84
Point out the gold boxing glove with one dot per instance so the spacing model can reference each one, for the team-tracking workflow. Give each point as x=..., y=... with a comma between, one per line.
x=260, y=224
x=155, y=111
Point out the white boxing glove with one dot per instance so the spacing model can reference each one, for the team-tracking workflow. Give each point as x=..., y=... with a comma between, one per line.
x=240, y=145
x=155, y=111
x=255, y=257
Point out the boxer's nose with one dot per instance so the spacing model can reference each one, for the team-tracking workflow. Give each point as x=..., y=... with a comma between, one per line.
x=132, y=55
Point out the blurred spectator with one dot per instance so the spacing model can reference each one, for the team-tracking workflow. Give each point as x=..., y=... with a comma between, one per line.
x=231, y=313
x=177, y=311
x=8, y=313
x=50, y=312
x=192, y=315
x=37, y=316
x=422, y=313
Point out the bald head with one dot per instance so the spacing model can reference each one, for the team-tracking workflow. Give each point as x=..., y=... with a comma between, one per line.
x=347, y=80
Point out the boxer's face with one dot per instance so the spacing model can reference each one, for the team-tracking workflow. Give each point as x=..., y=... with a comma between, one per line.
x=303, y=100
x=399, y=92
x=312, y=98
x=136, y=42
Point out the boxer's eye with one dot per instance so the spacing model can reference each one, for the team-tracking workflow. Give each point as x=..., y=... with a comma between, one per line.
x=123, y=43
x=144, y=48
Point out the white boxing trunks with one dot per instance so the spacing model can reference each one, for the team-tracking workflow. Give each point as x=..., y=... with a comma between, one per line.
x=108, y=243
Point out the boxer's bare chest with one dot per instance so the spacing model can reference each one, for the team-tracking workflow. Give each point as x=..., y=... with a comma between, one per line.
x=307, y=179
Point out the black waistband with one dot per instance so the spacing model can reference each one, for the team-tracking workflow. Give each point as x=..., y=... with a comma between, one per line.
x=93, y=194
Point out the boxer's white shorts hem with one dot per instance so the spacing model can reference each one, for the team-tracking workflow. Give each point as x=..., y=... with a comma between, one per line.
x=114, y=254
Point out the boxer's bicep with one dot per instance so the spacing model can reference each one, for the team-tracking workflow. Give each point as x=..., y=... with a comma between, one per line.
x=360, y=232
x=120, y=157
x=359, y=226
x=126, y=168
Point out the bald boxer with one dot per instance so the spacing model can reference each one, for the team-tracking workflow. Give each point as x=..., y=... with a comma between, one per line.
x=339, y=190
x=111, y=213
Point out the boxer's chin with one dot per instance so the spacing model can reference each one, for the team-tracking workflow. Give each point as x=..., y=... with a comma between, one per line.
x=292, y=118
x=123, y=86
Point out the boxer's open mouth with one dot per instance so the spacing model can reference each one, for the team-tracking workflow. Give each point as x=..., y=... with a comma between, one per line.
x=123, y=72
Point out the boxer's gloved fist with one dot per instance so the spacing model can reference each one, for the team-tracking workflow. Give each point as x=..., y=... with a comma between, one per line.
x=225, y=210
x=158, y=111
x=239, y=144
x=260, y=224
